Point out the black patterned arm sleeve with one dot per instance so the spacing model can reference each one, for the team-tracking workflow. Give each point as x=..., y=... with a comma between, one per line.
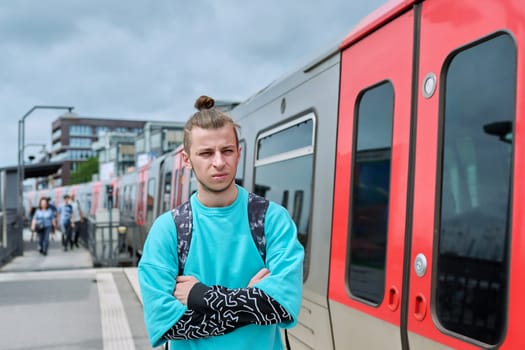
x=241, y=306
x=218, y=310
x=196, y=325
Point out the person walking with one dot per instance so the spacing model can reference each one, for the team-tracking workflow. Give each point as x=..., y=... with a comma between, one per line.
x=77, y=218
x=228, y=295
x=65, y=210
x=43, y=222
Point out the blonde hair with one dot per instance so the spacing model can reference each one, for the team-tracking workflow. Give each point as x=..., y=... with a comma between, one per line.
x=208, y=117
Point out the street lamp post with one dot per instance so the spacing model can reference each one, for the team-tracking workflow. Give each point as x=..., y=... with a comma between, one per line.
x=21, y=175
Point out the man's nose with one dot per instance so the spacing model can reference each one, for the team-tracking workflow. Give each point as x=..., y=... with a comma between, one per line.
x=218, y=159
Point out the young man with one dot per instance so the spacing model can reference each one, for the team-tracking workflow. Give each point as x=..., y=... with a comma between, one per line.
x=228, y=296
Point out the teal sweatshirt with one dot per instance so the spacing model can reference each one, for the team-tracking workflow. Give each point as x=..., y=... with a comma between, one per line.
x=222, y=252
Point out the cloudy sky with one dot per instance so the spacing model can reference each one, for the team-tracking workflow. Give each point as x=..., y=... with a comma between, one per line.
x=149, y=60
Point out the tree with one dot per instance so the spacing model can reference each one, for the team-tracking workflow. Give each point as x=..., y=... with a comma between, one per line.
x=85, y=171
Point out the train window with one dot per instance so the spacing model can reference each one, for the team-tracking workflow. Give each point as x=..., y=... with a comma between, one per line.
x=476, y=167
x=132, y=198
x=239, y=177
x=193, y=184
x=288, y=138
x=178, y=188
x=370, y=193
x=166, y=192
x=284, y=167
x=125, y=198
x=150, y=200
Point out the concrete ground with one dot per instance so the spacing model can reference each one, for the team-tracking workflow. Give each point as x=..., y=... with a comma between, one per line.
x=60, y=301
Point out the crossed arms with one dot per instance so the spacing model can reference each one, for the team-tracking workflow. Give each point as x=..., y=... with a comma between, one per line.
x=217, y=310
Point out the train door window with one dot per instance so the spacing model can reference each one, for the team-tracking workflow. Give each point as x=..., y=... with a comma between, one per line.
x=141, y=205
x=132, y=198
x=239, y=177
x=186, y=174
x=284, y=167
x=370, y=193
x=193, y=183
x=125, y=198
x=150, y=200
x=475, y=187
x=166, y=191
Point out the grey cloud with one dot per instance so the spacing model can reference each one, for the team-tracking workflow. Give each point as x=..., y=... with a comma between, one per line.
x=151, y=59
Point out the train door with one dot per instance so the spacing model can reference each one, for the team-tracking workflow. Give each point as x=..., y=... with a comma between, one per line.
x=366, y=274
x=467, y=178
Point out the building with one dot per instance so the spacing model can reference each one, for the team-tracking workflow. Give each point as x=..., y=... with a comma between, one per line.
x=158, y=138
x=73, y=137
x=115, y=152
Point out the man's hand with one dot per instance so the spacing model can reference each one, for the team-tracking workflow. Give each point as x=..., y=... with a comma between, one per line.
x=259, y=276
x=183, y=288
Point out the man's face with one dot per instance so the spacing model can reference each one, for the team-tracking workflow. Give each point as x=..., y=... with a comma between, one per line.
x=214, y=156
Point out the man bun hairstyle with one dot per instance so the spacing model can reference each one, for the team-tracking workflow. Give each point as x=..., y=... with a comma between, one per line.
x=207, y=117
x=204, y=102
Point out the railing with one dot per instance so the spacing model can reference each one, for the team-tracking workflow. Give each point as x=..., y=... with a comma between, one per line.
x=110, y=243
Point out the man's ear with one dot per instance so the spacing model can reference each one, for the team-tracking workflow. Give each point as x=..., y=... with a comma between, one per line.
x=186, y=159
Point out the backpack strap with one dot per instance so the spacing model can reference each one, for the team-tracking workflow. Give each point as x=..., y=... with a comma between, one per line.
x=182, y=215
x=257, y=207
x=183, y=221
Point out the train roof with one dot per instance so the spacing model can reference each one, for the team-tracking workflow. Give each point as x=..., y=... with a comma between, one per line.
x=376, y=19
x=286, y=83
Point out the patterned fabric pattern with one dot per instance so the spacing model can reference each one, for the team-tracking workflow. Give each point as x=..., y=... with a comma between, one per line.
x=182, y=215
x=183, y=221
x=224, y=310
x=257, y=206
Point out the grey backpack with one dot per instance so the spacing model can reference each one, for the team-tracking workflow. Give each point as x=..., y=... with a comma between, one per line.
x=182, y=215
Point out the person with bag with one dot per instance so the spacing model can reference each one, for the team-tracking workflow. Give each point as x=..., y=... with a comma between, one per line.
x=43, y=222
x=210, y=281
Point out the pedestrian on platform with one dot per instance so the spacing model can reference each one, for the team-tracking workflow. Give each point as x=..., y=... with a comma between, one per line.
x=229, y=294
x=77, y=218
x=43, y=222
x=65, y=210
x=53, y=208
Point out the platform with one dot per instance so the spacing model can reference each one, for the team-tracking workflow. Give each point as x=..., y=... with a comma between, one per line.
x=60, y=301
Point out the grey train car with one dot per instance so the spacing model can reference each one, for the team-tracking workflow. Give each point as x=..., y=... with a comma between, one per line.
x=288, y=136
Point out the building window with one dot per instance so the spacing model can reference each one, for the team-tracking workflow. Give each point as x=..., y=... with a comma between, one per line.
x=370, y=193
x=476, y=168
x=284, y=171
x=101, y=130
x=80, y=130
x=80, y=142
